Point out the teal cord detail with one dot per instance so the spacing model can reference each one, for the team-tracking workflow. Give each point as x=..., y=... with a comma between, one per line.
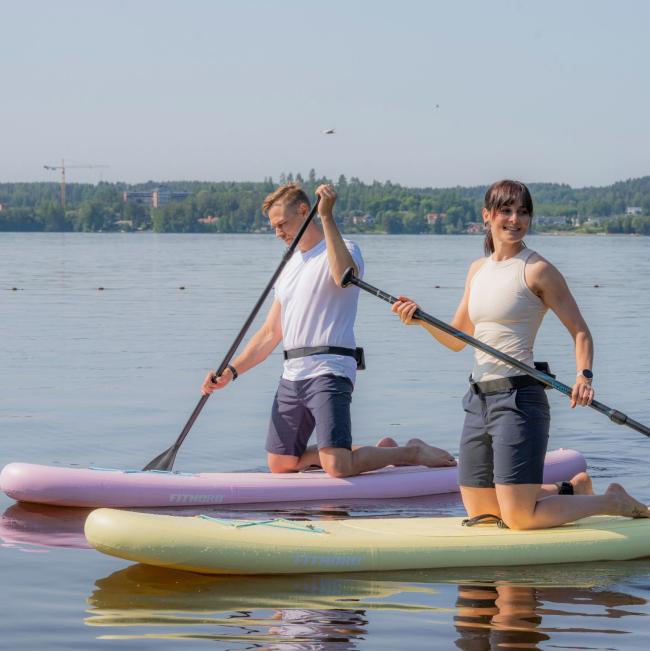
x=277, y=523
x=130, y=471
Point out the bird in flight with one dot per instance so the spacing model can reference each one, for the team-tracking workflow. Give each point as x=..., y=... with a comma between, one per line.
x=328, y=131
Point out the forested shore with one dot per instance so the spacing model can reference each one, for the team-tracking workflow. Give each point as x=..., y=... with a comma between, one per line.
x=235, y=207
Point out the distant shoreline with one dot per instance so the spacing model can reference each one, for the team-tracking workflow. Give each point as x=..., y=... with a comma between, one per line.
x=345, y=233
x=236, y=207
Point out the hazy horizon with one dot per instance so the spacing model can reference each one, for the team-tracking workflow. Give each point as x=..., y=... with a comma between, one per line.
x=424, y=94
x=276, y=180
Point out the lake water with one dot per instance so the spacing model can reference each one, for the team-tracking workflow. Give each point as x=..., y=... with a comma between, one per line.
x=109, y=377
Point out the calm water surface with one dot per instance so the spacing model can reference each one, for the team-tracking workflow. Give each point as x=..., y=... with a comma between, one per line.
x=109, y=377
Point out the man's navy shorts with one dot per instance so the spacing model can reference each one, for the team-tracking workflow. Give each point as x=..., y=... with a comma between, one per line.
x=320, y=404
x=504, y=439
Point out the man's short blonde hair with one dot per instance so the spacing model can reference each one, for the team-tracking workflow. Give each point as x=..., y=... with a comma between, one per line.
x=290, y=194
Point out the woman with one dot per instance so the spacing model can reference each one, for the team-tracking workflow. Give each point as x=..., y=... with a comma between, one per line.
x=506, y=427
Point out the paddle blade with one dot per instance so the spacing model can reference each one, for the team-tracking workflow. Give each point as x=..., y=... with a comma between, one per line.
x=164, y=461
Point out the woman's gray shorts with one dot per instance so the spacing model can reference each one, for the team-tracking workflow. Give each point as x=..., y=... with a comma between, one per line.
x=504, y=439
x=320, y=403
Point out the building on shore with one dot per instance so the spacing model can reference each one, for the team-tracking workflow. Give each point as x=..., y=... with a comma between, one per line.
x=210, y=220
x=553, y=220
x=154, y=198
x=435, y=217
x=366, y=220
x=138, y=197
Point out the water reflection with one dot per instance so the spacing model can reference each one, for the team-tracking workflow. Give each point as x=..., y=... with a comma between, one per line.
x=283, y=612
x=506, y=615
x=158, y=591
x=43, y=526
x=492, y=617
x=492, y=609
x=299, y=628
x=57, y=526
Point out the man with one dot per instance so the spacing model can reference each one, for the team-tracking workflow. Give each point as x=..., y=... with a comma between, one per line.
x=312, y=310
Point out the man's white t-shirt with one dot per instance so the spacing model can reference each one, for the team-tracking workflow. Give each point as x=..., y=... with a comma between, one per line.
x=315, y=312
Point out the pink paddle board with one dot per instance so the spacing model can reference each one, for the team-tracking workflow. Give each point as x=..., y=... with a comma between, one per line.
x=94, y=487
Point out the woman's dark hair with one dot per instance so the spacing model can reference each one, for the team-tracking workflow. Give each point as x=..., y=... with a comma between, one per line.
x=501, y=194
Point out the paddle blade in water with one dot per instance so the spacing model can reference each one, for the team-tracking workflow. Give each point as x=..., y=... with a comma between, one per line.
x=164, y=461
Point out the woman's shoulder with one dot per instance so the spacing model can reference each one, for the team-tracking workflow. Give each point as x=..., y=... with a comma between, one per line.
x=541, y=270
x=474, y=267
x=538, y=262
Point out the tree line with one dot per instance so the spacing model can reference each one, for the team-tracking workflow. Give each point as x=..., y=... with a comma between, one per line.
x=235, y=207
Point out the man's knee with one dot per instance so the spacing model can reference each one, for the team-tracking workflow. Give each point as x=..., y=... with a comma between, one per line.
x=336, y=462
x=338, y=470
x=282, y=463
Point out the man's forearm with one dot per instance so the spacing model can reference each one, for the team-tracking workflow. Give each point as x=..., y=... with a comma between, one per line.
x=338, y=255
x=256, y=351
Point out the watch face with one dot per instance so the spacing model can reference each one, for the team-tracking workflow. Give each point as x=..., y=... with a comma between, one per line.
x=588, y=374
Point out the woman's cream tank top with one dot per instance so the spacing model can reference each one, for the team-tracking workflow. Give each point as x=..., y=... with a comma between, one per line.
x=506, y=315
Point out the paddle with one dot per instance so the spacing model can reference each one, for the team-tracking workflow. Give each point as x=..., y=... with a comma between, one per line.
x=614, y=415
x=165, y=460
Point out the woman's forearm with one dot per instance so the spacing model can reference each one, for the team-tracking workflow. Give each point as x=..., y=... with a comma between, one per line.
x=584, y=350
x=444, y=338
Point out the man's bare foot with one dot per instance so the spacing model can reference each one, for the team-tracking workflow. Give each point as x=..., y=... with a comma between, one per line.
x=582, y=484
x=427, y=455
x=386, y=442
x=624, y=504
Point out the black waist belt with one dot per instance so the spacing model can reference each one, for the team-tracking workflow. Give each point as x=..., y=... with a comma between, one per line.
x=501, y=384
x=506, y=383
x=357, y=353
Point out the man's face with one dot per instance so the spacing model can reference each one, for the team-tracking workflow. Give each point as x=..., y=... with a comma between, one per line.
x=286, y=220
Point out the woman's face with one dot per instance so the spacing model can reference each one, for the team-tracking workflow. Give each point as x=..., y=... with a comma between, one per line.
x=508, y=224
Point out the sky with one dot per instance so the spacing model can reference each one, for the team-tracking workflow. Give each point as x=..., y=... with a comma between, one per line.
x=422, y=93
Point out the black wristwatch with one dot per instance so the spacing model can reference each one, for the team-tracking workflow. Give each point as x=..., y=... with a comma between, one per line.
x=586, y=374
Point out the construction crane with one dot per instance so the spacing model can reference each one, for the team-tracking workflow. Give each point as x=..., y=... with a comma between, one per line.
x=62, y=167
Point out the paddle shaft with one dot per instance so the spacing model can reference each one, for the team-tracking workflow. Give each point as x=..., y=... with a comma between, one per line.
x=613, y=414
x=156, y=463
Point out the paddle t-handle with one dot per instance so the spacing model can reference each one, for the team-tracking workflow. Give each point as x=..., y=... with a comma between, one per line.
x=616, y=416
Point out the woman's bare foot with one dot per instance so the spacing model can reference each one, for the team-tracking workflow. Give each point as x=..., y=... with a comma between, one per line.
x=582, y=484
x=386, y=442
x=624, y=504
x=427, y=455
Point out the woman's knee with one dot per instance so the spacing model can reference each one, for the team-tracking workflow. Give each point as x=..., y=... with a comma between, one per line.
x=518, y=503
x=478, y=501
x=518, y=518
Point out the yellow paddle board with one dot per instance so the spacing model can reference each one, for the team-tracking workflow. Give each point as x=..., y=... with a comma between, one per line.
x=276, y=546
